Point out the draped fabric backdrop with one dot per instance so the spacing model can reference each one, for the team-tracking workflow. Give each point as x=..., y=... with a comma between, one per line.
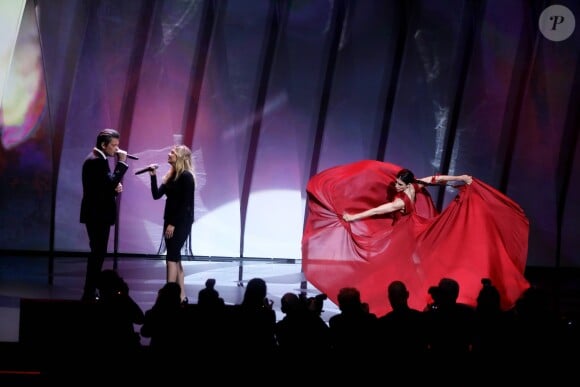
x=269, y=93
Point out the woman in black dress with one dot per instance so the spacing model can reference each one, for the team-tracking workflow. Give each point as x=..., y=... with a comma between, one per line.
x=178, y=185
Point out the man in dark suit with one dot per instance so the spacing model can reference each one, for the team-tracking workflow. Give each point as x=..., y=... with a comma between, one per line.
x=99, y=206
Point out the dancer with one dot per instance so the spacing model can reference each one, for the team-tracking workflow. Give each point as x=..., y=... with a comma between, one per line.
x=178, y=185
x=406, y=186
x=371, y=223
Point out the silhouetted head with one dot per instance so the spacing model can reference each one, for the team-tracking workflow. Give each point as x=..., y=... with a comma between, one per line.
x=488, y=298
x=290, y=303
x=315, y=304
x=398, y=294
x=447, y=291
x=255, y=292
x=169, y=295
x=208, y=296
x=349, y=299
x=210, y=283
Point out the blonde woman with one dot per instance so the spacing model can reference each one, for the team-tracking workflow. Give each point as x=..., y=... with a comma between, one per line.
x=178, y=185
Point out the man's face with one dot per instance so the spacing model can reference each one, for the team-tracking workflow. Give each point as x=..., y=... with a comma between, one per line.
x=111, y=148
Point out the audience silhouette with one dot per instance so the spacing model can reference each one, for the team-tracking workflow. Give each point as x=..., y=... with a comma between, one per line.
x=105, y=343
x=450, y=327
x=352, y=332
x=401, y=333
x=538, y=337
x=447, y=338
x=165, y=325
x=251, y=327
x=301, y=332
x=208, y=296
x=207, y=332
x=117, y=315
x=493, y=340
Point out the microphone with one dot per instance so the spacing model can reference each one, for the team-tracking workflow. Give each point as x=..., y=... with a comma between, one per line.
x=128, y=155
x=148, y=168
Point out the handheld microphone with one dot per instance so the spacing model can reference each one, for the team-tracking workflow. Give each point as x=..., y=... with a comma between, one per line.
x=148, y=168
x=129, y=156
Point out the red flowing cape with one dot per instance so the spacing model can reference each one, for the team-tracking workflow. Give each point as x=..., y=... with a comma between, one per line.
x=480, y=234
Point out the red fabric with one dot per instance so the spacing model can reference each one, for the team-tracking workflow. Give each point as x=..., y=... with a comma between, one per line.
x=481, y=234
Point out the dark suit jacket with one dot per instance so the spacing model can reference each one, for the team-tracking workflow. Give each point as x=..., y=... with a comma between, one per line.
x=98, y=204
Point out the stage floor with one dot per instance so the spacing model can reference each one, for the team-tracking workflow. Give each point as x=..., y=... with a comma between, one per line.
x=27, y=277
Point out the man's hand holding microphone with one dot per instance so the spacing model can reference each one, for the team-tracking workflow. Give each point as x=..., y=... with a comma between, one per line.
x=123, y=155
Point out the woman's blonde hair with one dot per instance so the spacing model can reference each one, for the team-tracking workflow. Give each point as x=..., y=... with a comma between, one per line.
x=183, y=162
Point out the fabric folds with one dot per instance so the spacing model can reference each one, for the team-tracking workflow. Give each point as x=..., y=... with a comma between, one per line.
x=480, y=234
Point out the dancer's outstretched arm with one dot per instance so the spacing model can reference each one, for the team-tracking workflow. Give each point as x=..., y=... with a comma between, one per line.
x=467, y=179
x=395, y=205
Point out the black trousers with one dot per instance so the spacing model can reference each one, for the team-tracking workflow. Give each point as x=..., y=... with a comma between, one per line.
x=98, y=241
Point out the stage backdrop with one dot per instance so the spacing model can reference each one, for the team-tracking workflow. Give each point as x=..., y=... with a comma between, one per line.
x=268, y=93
